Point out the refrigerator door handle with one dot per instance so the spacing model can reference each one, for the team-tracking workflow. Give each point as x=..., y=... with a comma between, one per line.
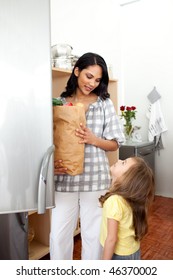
x=43, y=180
x=146, y=152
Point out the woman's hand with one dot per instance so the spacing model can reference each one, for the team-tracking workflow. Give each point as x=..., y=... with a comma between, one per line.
x=86, y=135
x=58, y=167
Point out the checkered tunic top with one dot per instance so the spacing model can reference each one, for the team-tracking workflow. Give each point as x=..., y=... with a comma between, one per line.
x=101, y=118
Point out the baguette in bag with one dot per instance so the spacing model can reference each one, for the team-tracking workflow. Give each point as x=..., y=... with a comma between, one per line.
x=67, y=148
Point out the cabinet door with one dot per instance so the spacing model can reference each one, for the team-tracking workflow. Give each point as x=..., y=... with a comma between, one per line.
x=126, y=152
x=148, y=154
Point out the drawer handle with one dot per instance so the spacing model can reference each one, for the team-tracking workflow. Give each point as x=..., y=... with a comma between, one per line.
x=146, y=153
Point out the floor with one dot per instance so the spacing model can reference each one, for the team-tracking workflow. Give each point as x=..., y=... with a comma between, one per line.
x=158, y=243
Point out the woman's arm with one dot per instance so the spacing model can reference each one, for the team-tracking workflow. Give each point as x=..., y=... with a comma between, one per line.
x=88, y=137
x=110, y=242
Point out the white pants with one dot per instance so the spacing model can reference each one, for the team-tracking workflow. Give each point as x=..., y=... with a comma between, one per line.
x=69, y=206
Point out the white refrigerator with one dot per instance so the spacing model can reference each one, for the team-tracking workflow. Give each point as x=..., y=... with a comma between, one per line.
x=26, y=127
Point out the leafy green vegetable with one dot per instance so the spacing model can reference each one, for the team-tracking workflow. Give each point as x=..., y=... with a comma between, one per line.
x=56, y=102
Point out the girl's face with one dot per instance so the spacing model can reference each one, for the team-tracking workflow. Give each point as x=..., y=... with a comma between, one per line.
x=120, y=167
x=89, y=78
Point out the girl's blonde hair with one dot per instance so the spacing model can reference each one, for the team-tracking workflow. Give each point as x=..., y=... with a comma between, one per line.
x=136, y=186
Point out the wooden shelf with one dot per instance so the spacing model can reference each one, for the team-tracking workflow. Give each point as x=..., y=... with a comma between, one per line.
x=37, y=250
x=77, y=231
x=62, y=72
x=31, y=212
x=41, y=226
x=39, y=246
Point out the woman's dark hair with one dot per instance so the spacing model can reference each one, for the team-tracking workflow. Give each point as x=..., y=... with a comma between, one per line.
x=136, y=186
x=86, y=60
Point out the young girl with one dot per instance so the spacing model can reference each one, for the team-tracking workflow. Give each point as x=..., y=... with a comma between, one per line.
x=125, y=209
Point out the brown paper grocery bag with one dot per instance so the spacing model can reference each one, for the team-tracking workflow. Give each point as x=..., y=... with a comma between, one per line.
x=65, y=120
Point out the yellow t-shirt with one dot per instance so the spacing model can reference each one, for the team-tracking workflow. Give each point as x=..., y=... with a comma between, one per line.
x=116, y=207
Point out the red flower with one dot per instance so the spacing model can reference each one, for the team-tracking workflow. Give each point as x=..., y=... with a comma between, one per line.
x=128, y=108
x=133, y=108
x=128, y=113
x=122, y=108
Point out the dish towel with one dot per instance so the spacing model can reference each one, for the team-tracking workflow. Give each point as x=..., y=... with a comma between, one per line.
x=156, y=120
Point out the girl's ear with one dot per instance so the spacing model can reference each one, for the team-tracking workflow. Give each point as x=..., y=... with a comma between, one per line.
x=76, y=71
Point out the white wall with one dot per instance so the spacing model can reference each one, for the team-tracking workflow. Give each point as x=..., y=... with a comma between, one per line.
x=147, y=42
x=88, y=25
x=137, y=40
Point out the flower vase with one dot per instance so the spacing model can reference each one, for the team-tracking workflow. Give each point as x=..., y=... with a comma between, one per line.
x=128, y=130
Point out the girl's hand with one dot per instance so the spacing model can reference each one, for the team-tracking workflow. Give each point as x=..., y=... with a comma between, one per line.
x=58, y=167
x=86, y=135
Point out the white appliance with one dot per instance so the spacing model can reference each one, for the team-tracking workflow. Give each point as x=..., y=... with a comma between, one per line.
x=26, y=130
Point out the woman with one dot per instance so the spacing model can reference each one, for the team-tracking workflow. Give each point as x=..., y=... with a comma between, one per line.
x=78, y=195
x=125, y=209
